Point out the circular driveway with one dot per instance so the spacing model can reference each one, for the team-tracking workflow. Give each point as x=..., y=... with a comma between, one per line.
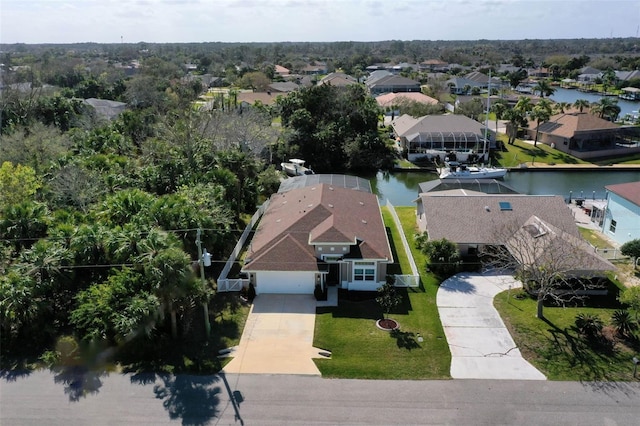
x=480, y=344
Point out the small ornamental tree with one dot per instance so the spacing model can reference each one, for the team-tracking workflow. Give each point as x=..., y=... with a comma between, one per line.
x=631, y=249
x=388, y=296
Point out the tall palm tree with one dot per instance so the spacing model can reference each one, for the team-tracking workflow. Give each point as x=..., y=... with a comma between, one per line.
x=498, y=108
x=581, y=104
x=524, y=104
x=544, y=88
x=516, y=119
x=541, y=113
x=607, y=108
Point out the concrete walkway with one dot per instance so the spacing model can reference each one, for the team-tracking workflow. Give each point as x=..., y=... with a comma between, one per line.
x=278, y=337
x=480, y=344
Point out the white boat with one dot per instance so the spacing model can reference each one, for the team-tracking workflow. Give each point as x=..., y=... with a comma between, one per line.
x=295, y=167
x=455, y=170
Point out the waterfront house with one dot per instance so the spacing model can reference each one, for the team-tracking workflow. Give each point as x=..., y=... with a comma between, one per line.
x=622, y=214
x=319, y=230
x=585, y=135
x=438, y=135
x=475, y=221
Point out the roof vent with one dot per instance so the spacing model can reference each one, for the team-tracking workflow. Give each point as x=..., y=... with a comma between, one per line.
x=331, y=188
x=330, y=205
x=361, y=203
x=310, y=205
x=364, y=221
x=487, y=208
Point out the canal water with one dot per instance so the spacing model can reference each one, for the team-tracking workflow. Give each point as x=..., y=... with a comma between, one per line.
x=401, y=188
x=571, y=95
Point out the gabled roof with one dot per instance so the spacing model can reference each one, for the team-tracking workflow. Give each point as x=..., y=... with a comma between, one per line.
x=538, y=242
x=281, y=70
x=590, y=71
x=391, y=99
x=322, y=214
x=338, y=79
x=630, y=191
x=266, y=98
x=569, y=123
x=477, y=219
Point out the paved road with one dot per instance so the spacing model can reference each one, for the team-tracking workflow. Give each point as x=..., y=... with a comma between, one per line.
x=44, y=399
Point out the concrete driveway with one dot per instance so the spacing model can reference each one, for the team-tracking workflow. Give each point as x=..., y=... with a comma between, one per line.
x=277, y=337
x=481, y=346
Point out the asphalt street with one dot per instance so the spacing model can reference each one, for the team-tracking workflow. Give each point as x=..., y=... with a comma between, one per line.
x=45, y=398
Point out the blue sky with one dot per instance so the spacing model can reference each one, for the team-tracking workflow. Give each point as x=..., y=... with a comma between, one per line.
x=132, y=21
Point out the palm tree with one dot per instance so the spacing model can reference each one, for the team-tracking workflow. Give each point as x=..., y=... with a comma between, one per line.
x=581, y=104
x=516, y=118
x=561, y=107
x=541, y=113
x=524, y=104
x=607, y=108
x=499, y=109
x=544, y=88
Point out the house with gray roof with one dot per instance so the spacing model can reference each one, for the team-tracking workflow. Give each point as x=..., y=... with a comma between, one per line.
x=477, y=221
x=439, y=135
x=105, y=108
x=391, y=84
x=320, y=232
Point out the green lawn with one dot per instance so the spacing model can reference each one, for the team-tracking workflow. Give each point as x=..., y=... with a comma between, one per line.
x=556, y=349
x=523, y=152
x=594, y=238
x=360, y=350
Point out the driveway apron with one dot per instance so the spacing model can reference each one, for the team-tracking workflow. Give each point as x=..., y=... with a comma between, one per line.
x=277, y=337
x=480, y=344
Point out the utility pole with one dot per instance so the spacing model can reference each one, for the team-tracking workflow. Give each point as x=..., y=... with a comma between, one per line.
x=204, y=259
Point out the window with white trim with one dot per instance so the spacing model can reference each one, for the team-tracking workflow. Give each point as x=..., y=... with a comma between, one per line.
x=364, y=271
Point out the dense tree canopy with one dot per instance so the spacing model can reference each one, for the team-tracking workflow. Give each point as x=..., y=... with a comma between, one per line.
x=335, y=128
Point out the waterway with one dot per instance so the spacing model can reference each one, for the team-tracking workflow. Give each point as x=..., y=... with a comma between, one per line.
x=401, y=188
x=571, y=95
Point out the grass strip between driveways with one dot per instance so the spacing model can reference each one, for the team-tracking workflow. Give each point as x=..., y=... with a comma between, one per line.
x=555, y=347
x=361, y=350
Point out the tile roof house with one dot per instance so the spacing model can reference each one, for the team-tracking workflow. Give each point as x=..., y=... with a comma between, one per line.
x=338, y=79
x=584, y=135
x=438, y=135
x=394, y=99
x=319, y=234
x=622, y=215
x=474, y=221
x=248, y=99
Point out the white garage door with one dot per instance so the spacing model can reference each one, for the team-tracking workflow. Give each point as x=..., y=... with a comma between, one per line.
x=285, y=282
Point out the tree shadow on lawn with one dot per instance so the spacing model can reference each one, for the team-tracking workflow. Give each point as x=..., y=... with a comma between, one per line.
x=362, y=304
x=580, y=352
x=405, y=339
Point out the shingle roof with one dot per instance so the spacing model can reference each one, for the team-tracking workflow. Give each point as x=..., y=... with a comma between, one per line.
x=538, y=242
x=393, y=80
x=630, y=191
x=391, y=99
x=299, y=218
x=476, y=219
x=447, y=123
x=569, y=123
x=264, y=97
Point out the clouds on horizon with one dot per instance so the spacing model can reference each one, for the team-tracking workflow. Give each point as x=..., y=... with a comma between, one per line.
x=106, y=21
